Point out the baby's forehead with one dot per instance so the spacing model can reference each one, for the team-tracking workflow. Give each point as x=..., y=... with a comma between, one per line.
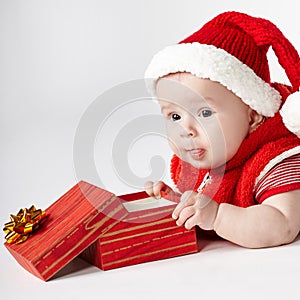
x=184, y=86
x=185, y=102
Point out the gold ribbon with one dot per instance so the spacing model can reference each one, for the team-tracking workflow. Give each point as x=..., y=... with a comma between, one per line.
x=23, y=224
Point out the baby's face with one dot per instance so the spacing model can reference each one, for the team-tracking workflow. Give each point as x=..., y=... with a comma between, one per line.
x=206, y=123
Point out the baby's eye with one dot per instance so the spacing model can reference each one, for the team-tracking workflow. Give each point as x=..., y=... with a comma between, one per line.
x=175, y=117
x=206, y=113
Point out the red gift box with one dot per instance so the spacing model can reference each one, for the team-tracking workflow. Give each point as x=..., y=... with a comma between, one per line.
x=104, y=230
x=142, y=236
x=73, y=222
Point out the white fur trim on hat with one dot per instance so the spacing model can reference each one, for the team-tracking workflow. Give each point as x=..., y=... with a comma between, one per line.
x=290, y=113
x=207, y=61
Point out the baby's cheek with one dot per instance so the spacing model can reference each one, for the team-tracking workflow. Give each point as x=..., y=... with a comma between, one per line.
x=174, y=146
x=174, y=130
x=174, y=138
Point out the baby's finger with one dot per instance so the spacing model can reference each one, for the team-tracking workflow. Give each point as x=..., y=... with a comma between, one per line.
x=187, y=199
x=191, y=222
x=157, y=188
x=148, y=186
x=185, y=214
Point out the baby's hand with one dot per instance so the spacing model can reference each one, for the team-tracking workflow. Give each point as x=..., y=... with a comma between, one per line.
x=157, y=189
x=160, y=189
x=196, y=209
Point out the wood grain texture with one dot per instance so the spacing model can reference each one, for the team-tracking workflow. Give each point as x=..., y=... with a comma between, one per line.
x=92, y=222
x=142, y=236
x=73, y=222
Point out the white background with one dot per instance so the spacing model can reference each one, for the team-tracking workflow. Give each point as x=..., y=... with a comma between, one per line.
x=56, y=58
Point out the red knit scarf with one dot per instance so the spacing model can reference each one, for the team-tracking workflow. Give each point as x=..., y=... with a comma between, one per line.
x=234, y=183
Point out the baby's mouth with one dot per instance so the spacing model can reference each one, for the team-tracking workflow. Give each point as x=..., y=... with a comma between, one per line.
x=196, y=153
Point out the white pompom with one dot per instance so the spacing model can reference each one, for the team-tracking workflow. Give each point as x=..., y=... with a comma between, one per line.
x=290, y=113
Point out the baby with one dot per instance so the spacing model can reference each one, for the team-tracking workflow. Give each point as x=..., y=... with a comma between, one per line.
x=234, y=133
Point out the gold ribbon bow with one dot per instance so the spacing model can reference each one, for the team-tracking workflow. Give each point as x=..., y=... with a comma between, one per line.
x=23, y=224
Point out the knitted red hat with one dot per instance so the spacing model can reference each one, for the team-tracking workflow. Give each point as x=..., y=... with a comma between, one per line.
x=232, y=50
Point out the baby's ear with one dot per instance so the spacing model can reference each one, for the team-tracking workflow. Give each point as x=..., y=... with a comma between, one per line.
x=255, y=120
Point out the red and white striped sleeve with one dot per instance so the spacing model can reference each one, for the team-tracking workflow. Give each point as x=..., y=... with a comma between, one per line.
x=283, y=177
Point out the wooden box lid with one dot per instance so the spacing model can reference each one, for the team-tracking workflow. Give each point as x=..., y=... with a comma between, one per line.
x=73, y=222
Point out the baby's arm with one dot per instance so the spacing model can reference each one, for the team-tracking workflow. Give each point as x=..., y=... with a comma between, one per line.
x=274, y=222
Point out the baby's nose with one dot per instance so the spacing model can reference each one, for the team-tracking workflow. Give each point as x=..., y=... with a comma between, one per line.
x=191, y=132
x=189, y=129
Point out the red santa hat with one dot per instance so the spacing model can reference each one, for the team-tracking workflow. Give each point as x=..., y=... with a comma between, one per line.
x=232, y=50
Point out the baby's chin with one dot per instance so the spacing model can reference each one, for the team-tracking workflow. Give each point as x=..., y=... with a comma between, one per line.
x=198, y=164
x=204, y=165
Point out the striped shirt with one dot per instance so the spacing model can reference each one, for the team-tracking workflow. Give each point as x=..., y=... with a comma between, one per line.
x=283, y=177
